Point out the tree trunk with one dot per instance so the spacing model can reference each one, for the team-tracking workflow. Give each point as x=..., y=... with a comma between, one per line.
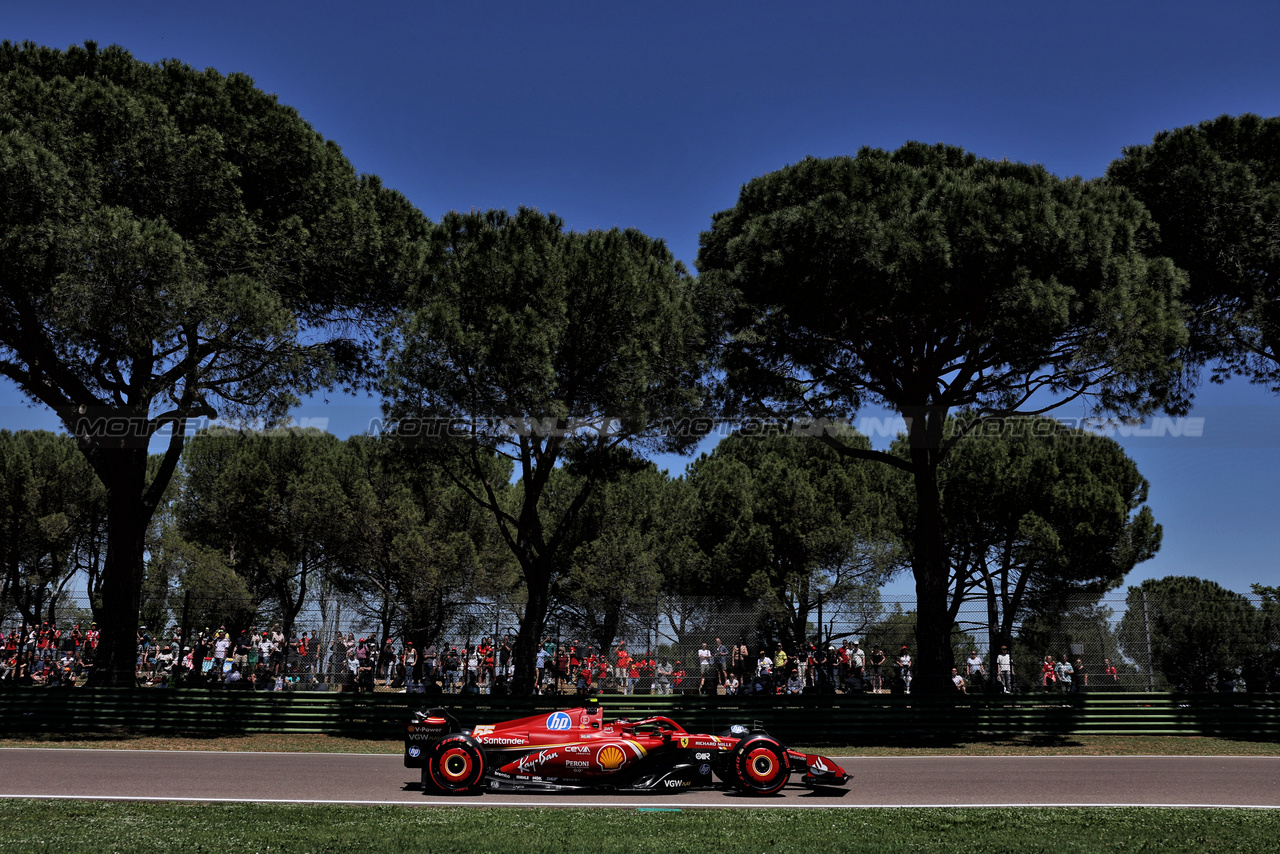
x=532, y=623
x=799, y=629
x=995, y=637
x=933, y=658
x=124, y=473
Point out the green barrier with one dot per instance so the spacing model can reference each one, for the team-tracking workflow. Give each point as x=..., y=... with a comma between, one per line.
x=860, y=719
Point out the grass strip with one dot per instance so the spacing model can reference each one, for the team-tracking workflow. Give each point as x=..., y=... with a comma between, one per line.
x=1073, y=745
x=32, y=826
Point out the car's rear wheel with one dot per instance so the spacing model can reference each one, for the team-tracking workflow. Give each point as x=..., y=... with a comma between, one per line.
x=758, y=765
x=455, y=766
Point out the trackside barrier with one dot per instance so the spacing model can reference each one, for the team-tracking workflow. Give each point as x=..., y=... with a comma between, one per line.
x=873, y=719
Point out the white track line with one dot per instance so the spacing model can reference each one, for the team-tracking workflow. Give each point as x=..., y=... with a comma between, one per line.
x=642, y=804
x=840, y=759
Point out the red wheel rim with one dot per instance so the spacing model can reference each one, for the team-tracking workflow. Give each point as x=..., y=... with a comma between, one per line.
x=455, y=764
x=762, y=765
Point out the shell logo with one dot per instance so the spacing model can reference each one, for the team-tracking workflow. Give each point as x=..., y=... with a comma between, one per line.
x=611, y=757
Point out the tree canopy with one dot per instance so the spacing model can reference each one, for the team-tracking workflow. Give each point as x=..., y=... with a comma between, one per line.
x=421, y=548
x=269, y=522
x=1194, y=632
x=620, y=551
x=1263, y=673
x=52, y=510
x=930, y=280
x=788, y=521
x=277, y=506
x=174, y=244
x=1040, y=518
x=1214, y=191
x=546, y=346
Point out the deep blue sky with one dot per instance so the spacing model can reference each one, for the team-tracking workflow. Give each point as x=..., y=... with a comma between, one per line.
x=651, y=115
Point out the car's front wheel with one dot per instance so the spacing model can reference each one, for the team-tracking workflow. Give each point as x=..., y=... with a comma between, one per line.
x=758, y=765
x=455, y=765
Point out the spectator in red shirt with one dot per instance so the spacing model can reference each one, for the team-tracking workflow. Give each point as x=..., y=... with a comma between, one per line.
x=575, y=657
x=489, y=660
x=1048, y=678
x=624, y=661
x=633, y=676
x=562, y=668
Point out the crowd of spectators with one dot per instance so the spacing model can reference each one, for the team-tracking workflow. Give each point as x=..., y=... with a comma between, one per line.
x=46, y=655
x=265, y=659
x=720, y=668
x=1063, y=676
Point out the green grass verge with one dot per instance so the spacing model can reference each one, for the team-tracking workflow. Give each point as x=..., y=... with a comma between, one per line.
x=33, y=826
x=1071, y=745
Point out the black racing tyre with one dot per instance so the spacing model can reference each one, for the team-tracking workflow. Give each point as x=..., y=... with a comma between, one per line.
x=758, y=765
x=455, y=765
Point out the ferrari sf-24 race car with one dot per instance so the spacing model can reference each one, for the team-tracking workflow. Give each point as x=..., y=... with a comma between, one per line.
x=575, y=750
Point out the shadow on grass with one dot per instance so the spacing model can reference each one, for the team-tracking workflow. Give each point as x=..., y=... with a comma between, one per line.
x=957, y=741
x=199, y=739
x=1042, y=740
x=104, y=736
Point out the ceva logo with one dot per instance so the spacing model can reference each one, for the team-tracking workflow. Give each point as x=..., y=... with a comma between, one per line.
x=559, y=721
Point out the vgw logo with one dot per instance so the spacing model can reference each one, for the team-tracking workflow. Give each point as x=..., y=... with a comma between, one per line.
x=559, y=721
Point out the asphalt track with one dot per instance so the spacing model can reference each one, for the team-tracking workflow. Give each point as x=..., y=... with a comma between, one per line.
x=952, y=781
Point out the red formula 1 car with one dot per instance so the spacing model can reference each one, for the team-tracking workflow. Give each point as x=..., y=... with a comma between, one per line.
x=576, y=750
